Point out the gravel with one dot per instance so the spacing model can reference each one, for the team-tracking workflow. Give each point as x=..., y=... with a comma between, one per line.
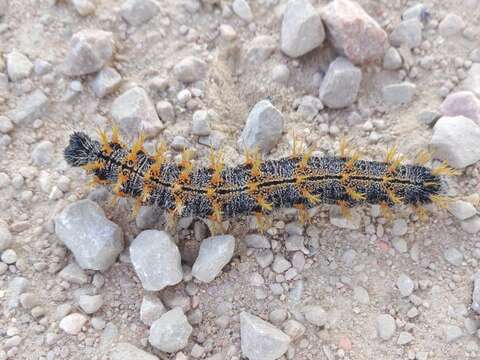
x=405, y=285
x=399, y=94
x=451, y=25
x=280, y=73
x=29, y=108
x=463, y=103
x=280, y=264
x=156, y=260
x=256, y=241
x=5, y=236
x=453, y=256
x=261, y=340
x=72, y=324
x=6, y=125
x=19, y=66
x=407, y=33
x=337, y=219
x=137, y=12
x=165, y=111
x=361, y=295
x=134, y=112
x=151, y=309
x=94, y=240
x=263, y=128
x=353, y=32
x=405, y=338
x=106, y=82
x=315, y=315
x=190, y=69
x=42, y=153
x=456, y=140
x=9, y=256
x=471, y=225
x=84, y=7
x=90, y=50
x=392, y=59
x=472, y=81
x=386, y=327
x=302, y=28
x=201, y=123
x=452, y=333
x=215, y=252
x=170, y=333
x=476, y=293
x=339, y=88
x=126, y=351
x=294, y=329
x=400, y=227
x=73, y=274
x=90, y=303
x=242, y=9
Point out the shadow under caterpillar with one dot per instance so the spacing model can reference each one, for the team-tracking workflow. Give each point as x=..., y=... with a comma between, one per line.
x=256, y=187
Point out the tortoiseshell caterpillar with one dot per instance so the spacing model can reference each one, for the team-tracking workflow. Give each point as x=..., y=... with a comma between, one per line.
x=255, y=187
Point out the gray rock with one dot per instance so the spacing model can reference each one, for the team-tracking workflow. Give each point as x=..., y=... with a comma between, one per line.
x=385, y=325
x=264, y=258
x=361, y=295
x=302, y=28
x=398, y=94
x=451, y=25
x=261, y=340
x=94, y=240
x=408, y=33
x=151, y=309
x=179, y=143
x=242, y=9
x=405, y=338
x=472, y=81
x=148, y=217
x=165, y=111
x=170, y=332
x=294, y=329
x=16, y=287
x=428, y=117
x=90, y=50
x=5, y=236
x=42, y=153
x=392, y=59
x=137, y=12
x=256, y=241
x=126, y=351
x=476, y=293
x=190, y=69
x=3, y=7
x=418, y=12
x=462, y=210
x=106, y=82
x=400, y=245
x=315, y=315
x=72, y=324
x=29, y=108
x=156, y=260
x=471, y=225
x=452, y=333
x=405, y=285
x=453, y=256
x=309, y=107
x=400, y=227
x=280, y=73
x=263, y=128
x=9, y=256
x=134, y=113
x=200, y=123
x=73, y=274
x=6, y=124
x=260, y=49
x=280, y=264
x=353, y=32
x=337, y=219
x=90, y=303
x=340, y=86
x=215, y=252
x=456, y=140
x=84, y=7
x=18, y=66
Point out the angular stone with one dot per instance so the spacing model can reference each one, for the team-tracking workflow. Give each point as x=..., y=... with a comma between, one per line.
x=42, y=153
x=340, y=86
x=472, y=82
x=151, y=309
x=392, y=59
x=137, y=12
x=94, y=240
x=462, y=103
x=84, y=7
x=453, y=256
x=215, y=252
x=242, y=9
x=315, y=315
x=156, y=260
x=259, y=49
x=256, y=241
x=106, y=82
x=263, y=128
x=337, y=218
x=126, y=351
x=476, y=293
x=452, y=333
x=5, y=236
x=408, y=33
x=90, y=50
x=90, y=303
x=302, y=28
x=398, y=94
x=18, y=66
x=170, y=332
x=462, y=210
x=73, y=274
x=385, y=326
x=456, y=140
x=134, y=113
x=29, y=108
x=261, y=340
x=353, y=32
x=471, y=225
x=72, y=324
x=451, y=25
x=190, y=69
x=405, y=285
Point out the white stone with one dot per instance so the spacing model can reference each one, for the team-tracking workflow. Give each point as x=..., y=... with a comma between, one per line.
x=280, y=73
x=392, y=59
x=451, y=25
x=170, y=332
x=259, y=49
x=215, y=252
x=18, y=66
x=302, y=28
x=418, y=12
x=361, y=295
x=400, y=227
x=353, y=32
x=339, y=88
x=256, y=241
x=94, y=240
x=90, y=303
x=6, y=124
x=9, y=257
x=471, y=225
x=399, y=94
x=242, y=9
x=405, y=338
x=263, y=128
x=385, y=326
x=165, y=111
x=90, y=50
x=352, y=222
x=5, y=236
x=137, y=12
x=453, y=256
x=134, y=113
x=190, y=69
x=408, y=33
x=84, y=7
x=405, y=285
x=72, y=324
x=472, y=82
x=261, y=340
x=476, y=293
x=73, y=274
x=151, y=309
x=29, y=108
x=280, y=264
x=315, y=315
x=106, y=82
x=42, y=153
x=200, y=123
x=456, y=140
x=126, y=351
x=462, y=210
x=462, y=103
x=156, y=260
x=452, y=333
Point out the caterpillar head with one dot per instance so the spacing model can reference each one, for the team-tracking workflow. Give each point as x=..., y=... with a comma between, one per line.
x=81, y=149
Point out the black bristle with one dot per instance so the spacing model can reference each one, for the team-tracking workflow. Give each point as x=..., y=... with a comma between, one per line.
x=81, y=149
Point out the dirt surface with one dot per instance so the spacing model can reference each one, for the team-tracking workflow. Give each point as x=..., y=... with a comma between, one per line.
x=339, y=261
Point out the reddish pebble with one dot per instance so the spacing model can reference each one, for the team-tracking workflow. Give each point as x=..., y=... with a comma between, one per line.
x=345, y=343
x=383, y=245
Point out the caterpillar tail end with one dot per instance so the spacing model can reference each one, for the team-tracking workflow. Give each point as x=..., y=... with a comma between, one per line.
x=80, y=150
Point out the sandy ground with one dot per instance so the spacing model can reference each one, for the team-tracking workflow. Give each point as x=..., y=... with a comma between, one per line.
x=442, y=296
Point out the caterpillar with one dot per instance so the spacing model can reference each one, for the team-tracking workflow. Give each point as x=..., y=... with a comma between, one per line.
x=255, y=187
